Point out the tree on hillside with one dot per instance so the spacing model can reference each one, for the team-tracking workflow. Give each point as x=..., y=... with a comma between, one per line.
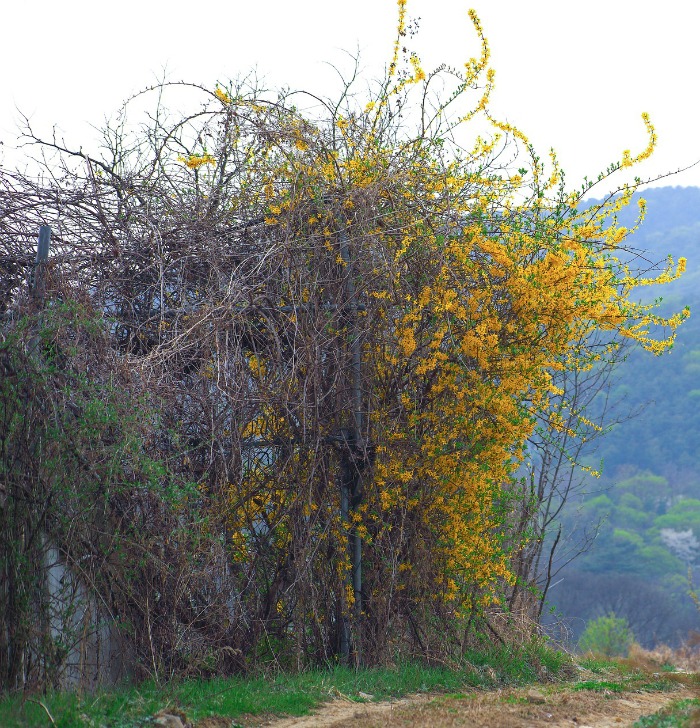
x=343, y=329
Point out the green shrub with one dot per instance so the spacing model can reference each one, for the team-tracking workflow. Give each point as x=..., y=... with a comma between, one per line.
x=609, y=636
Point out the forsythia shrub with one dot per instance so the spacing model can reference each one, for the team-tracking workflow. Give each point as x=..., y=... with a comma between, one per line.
x=476, y=283
x=353, y=323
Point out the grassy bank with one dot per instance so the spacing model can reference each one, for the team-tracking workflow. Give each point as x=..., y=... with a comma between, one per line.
x=283, y=694
x=639, y=674
x=680, y=714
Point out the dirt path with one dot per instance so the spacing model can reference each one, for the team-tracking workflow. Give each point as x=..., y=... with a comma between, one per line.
x=552, y=706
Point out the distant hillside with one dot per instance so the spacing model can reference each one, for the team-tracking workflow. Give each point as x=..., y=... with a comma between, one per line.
x=671, y=227
x=665, y=437
x=648, y=501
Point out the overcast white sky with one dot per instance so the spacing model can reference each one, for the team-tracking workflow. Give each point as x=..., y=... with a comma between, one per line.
x=575, y=76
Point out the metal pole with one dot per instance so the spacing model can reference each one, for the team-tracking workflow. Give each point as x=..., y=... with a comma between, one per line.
x=38, y=283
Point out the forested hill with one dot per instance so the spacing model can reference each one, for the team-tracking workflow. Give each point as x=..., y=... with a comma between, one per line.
x=665, y=437
x=646, y=507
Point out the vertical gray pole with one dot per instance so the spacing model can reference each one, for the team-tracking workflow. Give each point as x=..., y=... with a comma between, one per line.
x=42, y=255
x=37, y=283
x=42, y=252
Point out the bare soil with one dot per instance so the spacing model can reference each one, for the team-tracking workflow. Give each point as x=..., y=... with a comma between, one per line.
x=558, y=706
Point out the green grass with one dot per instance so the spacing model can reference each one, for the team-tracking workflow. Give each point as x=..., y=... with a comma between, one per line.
x=617, y=676
x=603, y=666
x=637, y=682
x=131, y=706
x=657, y=686
x=600, y=686
x=679, y=714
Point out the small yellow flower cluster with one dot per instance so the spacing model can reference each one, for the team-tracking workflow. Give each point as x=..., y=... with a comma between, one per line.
x=195, y=161
x=222, y=95
x=627, y=159
x=418, y=72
